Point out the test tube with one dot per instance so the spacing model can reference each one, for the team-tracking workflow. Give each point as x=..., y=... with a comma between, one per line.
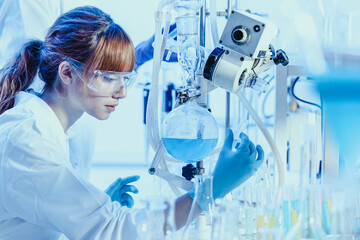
x=286, y=210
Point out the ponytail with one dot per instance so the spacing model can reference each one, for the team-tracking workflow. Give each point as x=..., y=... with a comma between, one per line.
x=18, y=75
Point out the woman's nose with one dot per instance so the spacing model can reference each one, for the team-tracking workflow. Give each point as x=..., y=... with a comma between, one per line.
x=121, y=93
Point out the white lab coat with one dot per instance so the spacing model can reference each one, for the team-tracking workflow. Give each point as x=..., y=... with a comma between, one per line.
x=21, y=20
x=41, y=195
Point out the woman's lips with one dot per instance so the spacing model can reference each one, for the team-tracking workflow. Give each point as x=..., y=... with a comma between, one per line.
x=110, y=108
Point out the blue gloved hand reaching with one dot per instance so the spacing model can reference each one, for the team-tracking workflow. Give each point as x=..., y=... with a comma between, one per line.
x=144, y=51
x=118, y=191
x=235, y=167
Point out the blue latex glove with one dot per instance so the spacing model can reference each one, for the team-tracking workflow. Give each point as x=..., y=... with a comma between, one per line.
x=144, y=51
x=118, y=191
x=235, y=167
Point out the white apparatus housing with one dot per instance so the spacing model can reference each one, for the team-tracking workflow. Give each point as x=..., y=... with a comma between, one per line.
x=246, y=52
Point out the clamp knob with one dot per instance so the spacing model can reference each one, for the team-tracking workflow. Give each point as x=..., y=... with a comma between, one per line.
x=281, y=58
x=188, y=172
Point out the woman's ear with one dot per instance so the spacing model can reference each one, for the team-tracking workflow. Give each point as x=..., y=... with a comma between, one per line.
x=65, y=73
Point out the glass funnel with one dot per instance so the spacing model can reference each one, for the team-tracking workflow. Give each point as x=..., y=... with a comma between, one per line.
x=190, y=53
x=187, y=7
x=189, y=132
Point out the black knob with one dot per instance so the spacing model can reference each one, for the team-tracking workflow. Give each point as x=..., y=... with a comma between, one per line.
x=211, y=62
x=188, y=172
x=281, y=58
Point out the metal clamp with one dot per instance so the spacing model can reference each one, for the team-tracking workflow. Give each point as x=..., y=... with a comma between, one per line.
x=186, y=94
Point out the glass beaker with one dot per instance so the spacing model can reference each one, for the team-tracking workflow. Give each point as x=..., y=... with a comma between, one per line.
x=226, y=220
x=199, y=222
x=157, y=220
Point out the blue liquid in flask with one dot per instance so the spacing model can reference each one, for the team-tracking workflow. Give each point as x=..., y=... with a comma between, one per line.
x=189, y=150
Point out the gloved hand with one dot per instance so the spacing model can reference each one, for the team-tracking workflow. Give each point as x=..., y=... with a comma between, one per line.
x=144, y=51
x=118, y=191
x=235, y=167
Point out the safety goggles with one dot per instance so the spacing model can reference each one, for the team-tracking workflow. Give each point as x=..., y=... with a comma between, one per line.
x=104, y=83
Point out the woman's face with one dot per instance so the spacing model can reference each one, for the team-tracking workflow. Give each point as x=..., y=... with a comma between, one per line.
x=93, y=103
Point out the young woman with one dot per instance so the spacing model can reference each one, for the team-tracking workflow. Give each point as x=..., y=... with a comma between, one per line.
x=86, y=62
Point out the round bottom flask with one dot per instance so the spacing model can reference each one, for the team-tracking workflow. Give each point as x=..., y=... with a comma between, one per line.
x=189, y=133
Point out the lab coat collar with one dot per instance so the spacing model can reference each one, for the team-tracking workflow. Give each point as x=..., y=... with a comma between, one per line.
x=70, y=133
x=41, y=109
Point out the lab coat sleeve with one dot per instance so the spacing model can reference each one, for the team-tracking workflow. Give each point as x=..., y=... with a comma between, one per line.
x=40, y=187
